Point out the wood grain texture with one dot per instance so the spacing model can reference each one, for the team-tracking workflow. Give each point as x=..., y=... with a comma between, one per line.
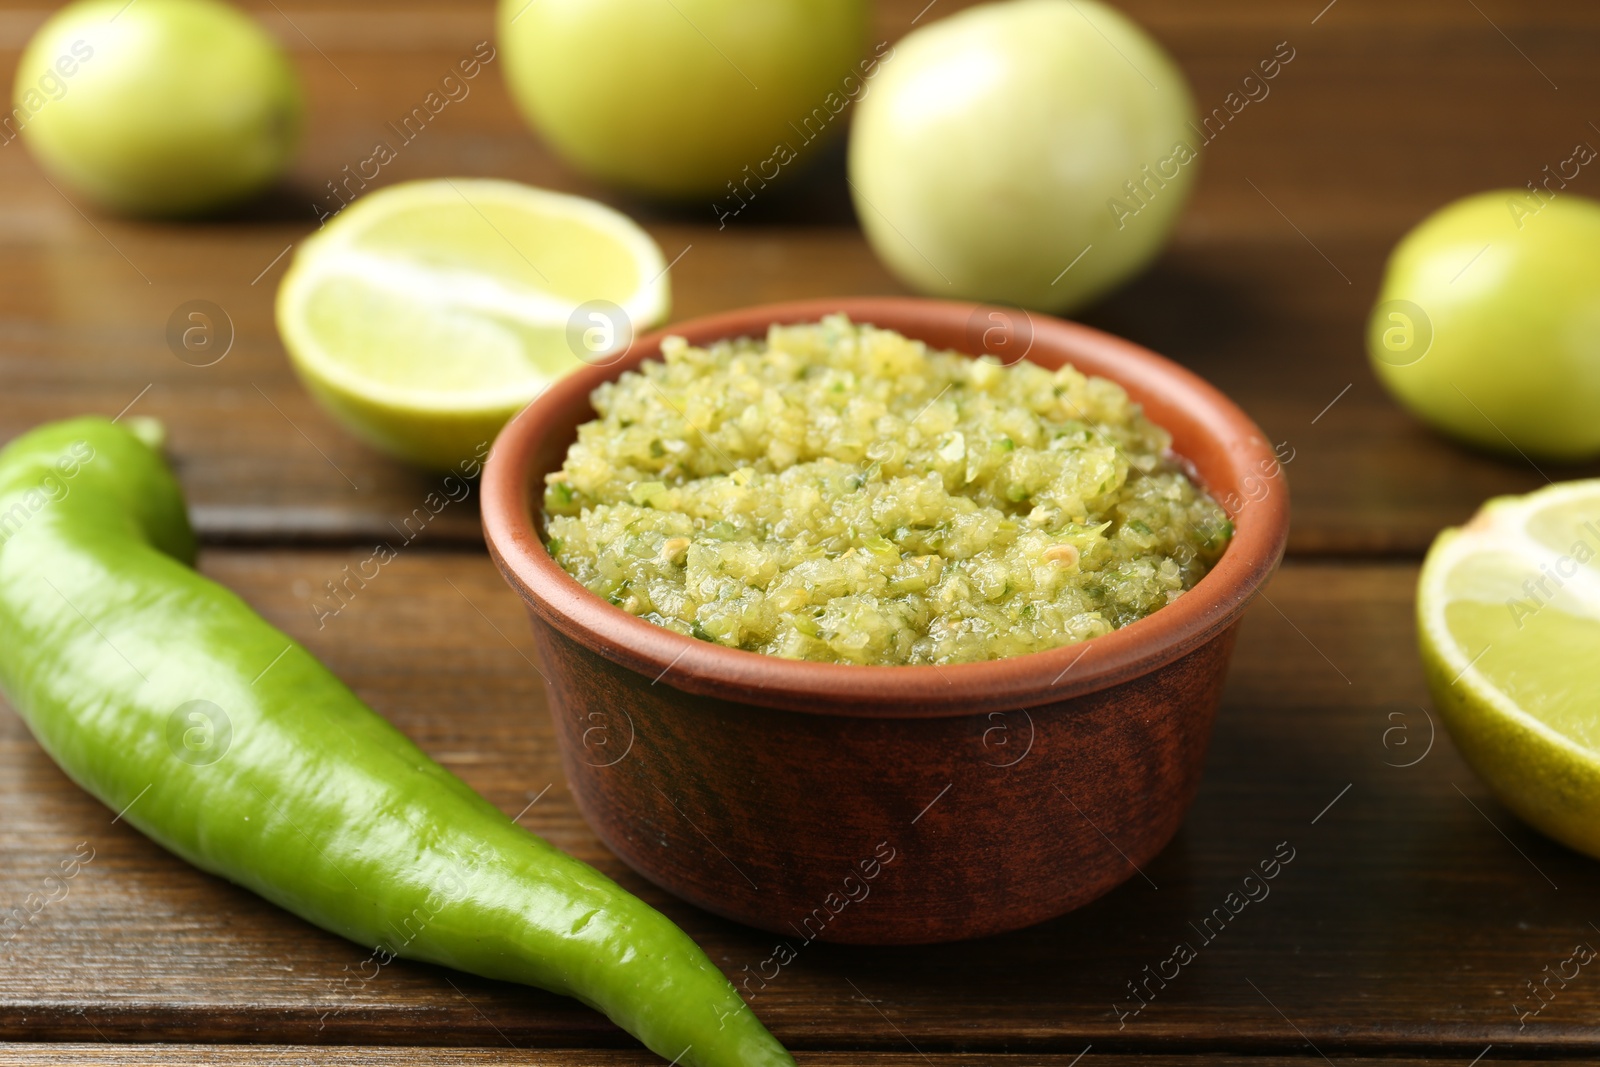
x=1411, y=915
x=106, y=1055
x=1387, y=111
x=1415, y=910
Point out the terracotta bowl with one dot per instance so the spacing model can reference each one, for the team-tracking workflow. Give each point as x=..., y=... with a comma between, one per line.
x=890, y=805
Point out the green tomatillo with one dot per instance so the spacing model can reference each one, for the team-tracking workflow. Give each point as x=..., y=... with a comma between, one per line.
x=159, y=107
x=677, y=99
x=1488, y=323
x=1031, y=152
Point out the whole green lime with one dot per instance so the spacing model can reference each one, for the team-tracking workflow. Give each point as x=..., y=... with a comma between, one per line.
x=158, y=107
x=1032, y=152
x=1488, y=323
x=683, y=98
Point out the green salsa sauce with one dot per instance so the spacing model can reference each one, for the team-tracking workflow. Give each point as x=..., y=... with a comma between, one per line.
x=838, y=492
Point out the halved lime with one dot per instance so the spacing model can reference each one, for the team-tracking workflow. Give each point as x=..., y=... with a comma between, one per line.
x=1508, y=612
x=427, y=314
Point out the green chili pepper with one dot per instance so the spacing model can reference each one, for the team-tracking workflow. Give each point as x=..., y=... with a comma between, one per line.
x=227, y=743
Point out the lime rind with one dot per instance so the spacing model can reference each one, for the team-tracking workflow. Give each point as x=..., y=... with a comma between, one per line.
x=1524, y=724
x=358, y=220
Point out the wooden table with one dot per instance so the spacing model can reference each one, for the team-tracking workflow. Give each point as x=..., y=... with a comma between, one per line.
x=1416, y=909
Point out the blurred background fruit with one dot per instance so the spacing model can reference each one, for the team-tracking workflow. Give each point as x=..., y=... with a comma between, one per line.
x=984, y=158
x=428, y=313
x=158, y=107
x=1488, y=323
x=677, y=99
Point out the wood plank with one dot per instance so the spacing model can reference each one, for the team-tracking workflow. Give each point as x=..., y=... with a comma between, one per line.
x=1413, y=913
x=1386, y=111
x=105, y=1055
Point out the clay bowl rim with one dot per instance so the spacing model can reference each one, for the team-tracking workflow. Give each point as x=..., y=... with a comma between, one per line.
x=914, y=691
